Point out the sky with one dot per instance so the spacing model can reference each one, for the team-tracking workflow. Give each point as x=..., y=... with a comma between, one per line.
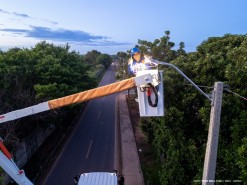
x=112, y=26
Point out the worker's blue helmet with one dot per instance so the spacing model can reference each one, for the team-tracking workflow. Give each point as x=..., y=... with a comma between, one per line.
x=134, y=50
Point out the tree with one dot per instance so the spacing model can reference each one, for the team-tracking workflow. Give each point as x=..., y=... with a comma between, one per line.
x=59, y=72
x=91, y=57
x=122, y=55
x=181, y=51
x=160, y=49
x=123, y=65
x=223, y=59
x=105, y=60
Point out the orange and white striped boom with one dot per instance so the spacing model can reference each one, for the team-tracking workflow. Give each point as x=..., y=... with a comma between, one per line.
x=77, y=98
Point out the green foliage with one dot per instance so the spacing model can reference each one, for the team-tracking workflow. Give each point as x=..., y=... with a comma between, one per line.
x=94, y=58
x=42, y=73
x=161, y=49
x=18, y=77
x=122, y=70
x=60, y=72
x=242, y=159
x=91, y=57
x=179, y=138
x=122, y=55
x=105, y=60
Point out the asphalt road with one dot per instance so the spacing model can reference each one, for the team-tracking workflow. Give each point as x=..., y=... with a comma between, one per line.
x=91, y=146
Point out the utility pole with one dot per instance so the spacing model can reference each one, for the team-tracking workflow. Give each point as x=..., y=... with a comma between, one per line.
x=213, y=136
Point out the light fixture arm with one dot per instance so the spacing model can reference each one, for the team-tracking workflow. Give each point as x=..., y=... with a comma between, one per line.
x=187, y=78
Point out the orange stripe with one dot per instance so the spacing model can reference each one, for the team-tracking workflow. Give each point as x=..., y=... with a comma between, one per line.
x=92, y=94
x=5, y=150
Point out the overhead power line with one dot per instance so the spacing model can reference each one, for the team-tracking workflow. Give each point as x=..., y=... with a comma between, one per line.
x=226, y=88
x=236, y=94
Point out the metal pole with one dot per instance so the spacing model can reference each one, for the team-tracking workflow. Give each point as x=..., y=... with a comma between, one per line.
x=187, y=78
x=213, y=135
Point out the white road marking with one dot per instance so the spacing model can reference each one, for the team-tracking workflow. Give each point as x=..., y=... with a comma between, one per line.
x=88, y=151
x=99, y=114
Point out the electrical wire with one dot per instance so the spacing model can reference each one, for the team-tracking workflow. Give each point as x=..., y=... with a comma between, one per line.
x=236, y=94
x=225, y=89
x=203, y=86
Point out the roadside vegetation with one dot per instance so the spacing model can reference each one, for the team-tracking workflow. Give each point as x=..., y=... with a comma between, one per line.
x=178, y=140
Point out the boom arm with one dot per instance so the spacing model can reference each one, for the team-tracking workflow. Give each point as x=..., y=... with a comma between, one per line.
x=77, y=98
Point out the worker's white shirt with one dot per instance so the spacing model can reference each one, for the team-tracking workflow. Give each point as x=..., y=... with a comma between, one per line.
x=140, y=66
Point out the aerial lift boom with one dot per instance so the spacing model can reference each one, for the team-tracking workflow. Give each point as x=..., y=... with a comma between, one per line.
x=6, y=161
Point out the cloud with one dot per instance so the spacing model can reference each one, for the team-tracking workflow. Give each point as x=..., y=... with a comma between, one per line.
x=25, y=16
x=15, y=14
x=21, y=15
x=3, y=11
x=76, y=36
x=57, y=35
x=52, y=22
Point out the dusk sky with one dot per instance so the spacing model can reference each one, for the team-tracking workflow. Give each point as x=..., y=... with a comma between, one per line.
x=111, y=26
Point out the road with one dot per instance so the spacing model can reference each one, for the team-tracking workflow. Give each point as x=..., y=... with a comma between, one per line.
x=91, y=146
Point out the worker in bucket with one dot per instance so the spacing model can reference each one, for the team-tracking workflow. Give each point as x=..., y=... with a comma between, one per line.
x=137, y=62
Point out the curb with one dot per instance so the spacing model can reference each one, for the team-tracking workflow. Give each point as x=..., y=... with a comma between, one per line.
x=130, y=162
x=117, y=147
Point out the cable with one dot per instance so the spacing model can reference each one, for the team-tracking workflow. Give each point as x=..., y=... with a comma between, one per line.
x=149, y=95
x=225, y=88
x=228, y=90
x=208, y=87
